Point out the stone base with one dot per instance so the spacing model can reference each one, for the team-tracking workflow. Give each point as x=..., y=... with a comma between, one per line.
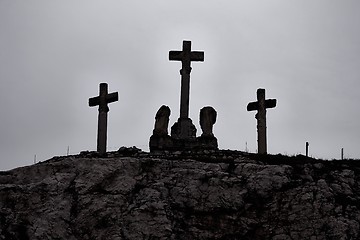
x=167, y=143
x=183, y=137
x=160, y=143
x=185, y=144
x=207, y=142
x=183, y=129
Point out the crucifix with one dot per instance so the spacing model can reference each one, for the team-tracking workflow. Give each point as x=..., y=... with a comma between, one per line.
x=102, y=101
x=186, y=129
x=261, y=105
x=186, y=56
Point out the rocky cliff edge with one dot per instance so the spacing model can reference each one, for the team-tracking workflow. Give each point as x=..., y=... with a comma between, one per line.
x=131, y=194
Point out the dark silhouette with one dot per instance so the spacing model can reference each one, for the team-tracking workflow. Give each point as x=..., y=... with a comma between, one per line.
x=307, y=149
x=261, y=106
x=183, y=132
x=102, y=101
x=162, y=121
x=207, y=120
x=184, y=129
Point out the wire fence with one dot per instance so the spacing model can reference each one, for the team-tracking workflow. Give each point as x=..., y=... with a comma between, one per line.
x=69, y=152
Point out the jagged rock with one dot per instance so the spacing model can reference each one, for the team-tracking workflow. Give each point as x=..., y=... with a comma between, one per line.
x=207, y=120
x=160, y=139
x=129, y=151
x=206, y=194
x=162, y=121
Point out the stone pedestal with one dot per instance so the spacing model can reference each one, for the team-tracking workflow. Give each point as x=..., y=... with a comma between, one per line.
x=160, y=143
x=183, y=129
x=183, y=134
x=207, y=142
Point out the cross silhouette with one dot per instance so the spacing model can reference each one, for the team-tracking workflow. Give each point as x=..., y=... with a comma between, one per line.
x=102, y=101
x=186, y=56
x=261, y=106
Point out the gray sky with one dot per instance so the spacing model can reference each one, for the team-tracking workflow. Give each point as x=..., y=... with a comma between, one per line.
x=54, y=54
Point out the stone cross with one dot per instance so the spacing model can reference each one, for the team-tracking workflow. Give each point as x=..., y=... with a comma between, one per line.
x=102, y=101
x=185, y=56
x=261, y=106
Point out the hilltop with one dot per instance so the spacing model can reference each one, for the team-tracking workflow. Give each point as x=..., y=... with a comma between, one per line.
x=209, y=194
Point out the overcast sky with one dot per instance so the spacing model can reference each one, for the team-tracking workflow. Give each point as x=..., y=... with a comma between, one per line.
x=54, y=54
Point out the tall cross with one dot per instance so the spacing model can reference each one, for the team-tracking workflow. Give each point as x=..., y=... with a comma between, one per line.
x=185, y=56
x=102, y=101
x=261, y=106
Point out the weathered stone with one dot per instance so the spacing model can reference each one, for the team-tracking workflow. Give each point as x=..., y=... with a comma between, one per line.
x=183, y=129
x=160, y=140
x=207, y=142
x=261, y=105
x=129, y=151
x=162, y=121
x=102, y=101
x=183, y=132
x=186, y=195
x=161, y=143
x=207, y=121
x=186, y=56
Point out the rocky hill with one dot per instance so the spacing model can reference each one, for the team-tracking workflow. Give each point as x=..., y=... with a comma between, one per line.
x=131, y=194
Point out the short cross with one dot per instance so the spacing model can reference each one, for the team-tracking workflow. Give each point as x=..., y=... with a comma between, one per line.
x=261, y=106
x=102, y=100
x=185, y=56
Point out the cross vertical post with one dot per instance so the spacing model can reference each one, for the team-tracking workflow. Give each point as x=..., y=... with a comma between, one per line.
x=102, y=101
x=307, y=148
x=261, y=106
x=186, y=56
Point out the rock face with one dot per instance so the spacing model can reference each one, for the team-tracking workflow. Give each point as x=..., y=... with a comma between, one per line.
x=199, y=195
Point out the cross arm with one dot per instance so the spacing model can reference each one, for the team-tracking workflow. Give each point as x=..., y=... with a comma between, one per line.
x=175, y=55
x=197, y=56
x=253, y=106
x=270, y=103
x=112, y=97
x=94, y=101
